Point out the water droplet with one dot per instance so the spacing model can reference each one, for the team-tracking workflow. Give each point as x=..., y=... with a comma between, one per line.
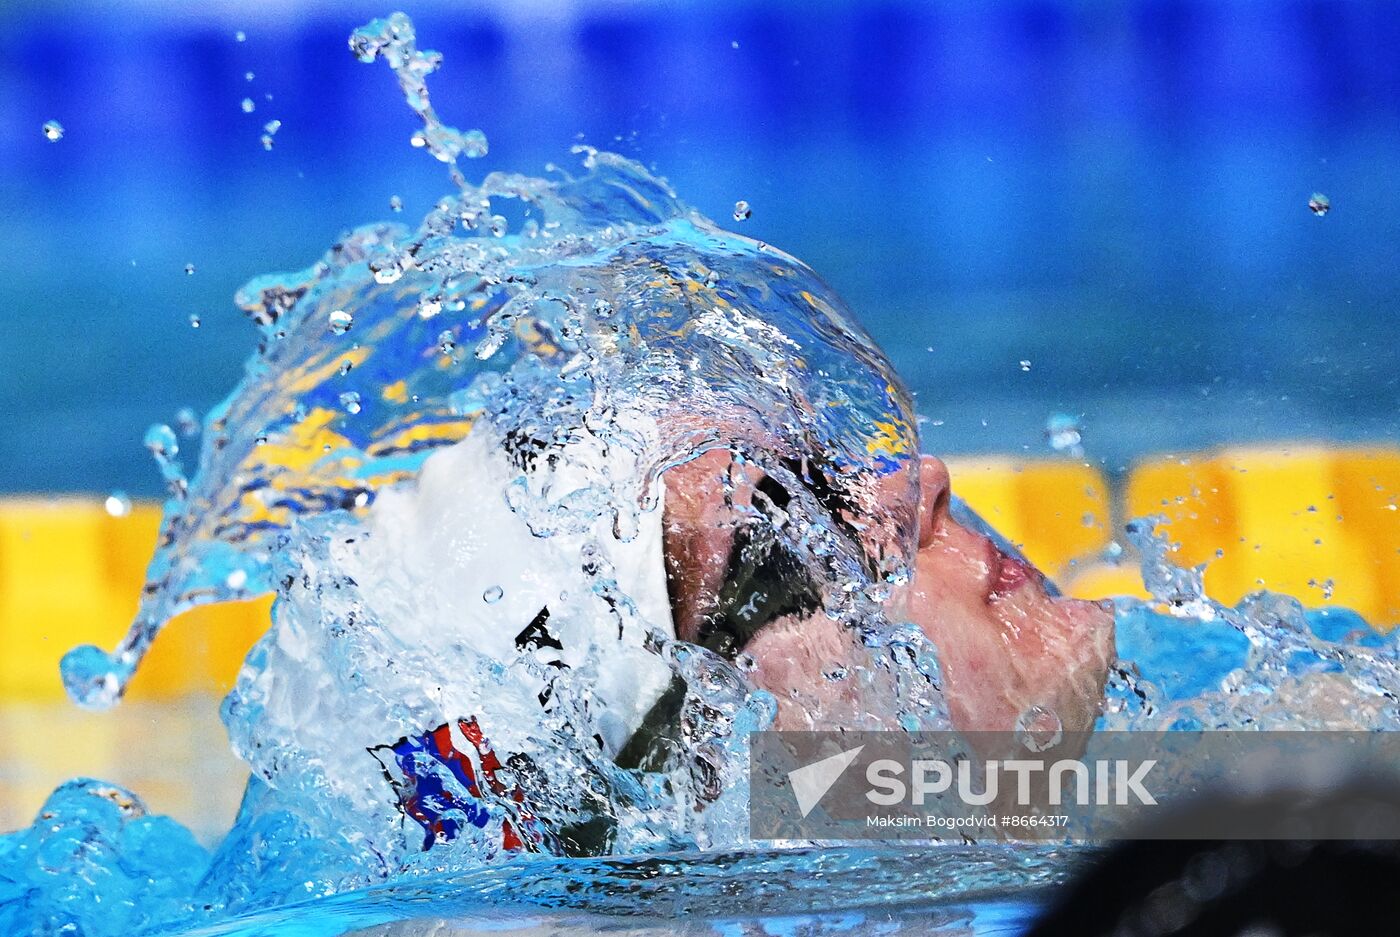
x=248, y=76
x=1039, y=728
x=90, y=676
x=395, y=203
x=1025, y=365
x=53, y=130
x=491, y=342
x=603, y=309
x=240, y=36
x=386, y=272
x=117, y=504
x=498, y=226
x=340, y=321
x=835, y=673
x=187, y=422
x=393, y=37
x=350, y=400
x=160, y=439
x=746, y=663
x=236, y=580
x=272, y=126
x=492, y=595
x=1319, y=204
x=194, y=320
x=248, y=106
x=474, y=144
x=1062, y=432
x=447, y=342
x=742, y=210
x=734, y=43
x=266, y=141
x=189, y=270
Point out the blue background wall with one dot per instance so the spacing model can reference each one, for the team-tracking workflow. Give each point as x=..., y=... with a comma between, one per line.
x=1116, y=192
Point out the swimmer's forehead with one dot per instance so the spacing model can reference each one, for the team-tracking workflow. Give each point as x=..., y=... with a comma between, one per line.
x=733, y=330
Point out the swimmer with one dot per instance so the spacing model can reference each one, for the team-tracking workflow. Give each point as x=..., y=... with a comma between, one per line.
x=700, y=570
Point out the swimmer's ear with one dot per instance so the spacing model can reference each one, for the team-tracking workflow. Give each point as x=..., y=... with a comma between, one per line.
x=933, y=497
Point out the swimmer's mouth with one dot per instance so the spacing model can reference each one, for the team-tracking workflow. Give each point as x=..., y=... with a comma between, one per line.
x=1007, y=573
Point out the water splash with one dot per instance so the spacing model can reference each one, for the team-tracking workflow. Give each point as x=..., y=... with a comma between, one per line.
x=393, y=38
x=618, y=287
x=95, y=862
x=1267, y=663
x=611, y=275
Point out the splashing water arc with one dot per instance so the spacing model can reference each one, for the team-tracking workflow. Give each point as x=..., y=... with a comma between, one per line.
x=610, y=295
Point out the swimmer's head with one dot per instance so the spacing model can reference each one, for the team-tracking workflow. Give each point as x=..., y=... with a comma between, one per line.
x=729, y=345
x=1007, y=644
x=772, y=404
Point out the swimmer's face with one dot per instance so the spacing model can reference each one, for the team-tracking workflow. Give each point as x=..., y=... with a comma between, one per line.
x=1005, y=645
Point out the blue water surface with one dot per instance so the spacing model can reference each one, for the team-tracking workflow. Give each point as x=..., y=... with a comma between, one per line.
x=1114, y=193
x=1185, y=657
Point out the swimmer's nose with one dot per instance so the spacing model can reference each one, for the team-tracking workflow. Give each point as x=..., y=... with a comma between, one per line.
x=934, y=491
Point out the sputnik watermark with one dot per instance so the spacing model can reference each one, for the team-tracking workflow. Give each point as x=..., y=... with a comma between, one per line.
x=919, y=786
x=1116, y=782
x=811, y=782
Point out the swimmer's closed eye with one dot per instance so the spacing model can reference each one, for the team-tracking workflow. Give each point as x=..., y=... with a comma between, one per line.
x=765, y=579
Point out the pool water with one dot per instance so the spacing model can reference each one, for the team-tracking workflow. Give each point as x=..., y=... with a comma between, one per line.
x=858, y=894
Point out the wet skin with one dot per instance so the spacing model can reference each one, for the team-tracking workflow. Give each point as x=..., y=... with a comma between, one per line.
x=1005, y=645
